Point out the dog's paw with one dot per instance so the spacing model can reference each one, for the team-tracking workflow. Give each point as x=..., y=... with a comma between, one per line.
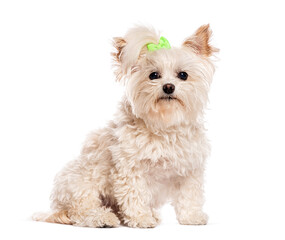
x=194, y=218
x=98, y=219
x=109, y=220
x=156, y=216
x=144, y=221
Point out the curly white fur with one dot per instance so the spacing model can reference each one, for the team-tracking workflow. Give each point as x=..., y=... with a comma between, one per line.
x=153, y=151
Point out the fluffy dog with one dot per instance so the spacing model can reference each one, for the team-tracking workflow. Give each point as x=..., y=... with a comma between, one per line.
x=155, y=148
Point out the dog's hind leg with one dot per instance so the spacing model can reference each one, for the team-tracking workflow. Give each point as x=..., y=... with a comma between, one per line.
x=88, y=211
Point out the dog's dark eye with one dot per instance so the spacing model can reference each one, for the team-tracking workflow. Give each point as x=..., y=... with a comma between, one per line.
x=154, y=75
x=183, y=76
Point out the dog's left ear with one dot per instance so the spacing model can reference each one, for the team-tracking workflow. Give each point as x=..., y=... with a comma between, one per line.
x=200, y=42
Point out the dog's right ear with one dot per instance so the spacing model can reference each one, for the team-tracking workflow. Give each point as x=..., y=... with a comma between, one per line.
x=118, y=43
x=131, y=48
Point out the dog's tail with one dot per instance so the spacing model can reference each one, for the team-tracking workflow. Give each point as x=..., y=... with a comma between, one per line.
x=54, y=217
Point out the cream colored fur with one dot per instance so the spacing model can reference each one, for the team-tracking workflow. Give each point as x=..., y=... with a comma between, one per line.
x=153, y=151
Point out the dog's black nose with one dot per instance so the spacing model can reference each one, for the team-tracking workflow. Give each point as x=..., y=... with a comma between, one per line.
x=168, y=88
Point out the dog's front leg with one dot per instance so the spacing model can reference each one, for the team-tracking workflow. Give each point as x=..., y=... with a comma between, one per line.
x=189, y=200
x=133, y=198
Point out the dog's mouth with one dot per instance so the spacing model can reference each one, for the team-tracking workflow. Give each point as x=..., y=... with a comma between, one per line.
x=169, y=98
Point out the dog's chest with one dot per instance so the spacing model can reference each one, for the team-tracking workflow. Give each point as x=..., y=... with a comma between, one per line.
x=169, y=153
x=173, y=154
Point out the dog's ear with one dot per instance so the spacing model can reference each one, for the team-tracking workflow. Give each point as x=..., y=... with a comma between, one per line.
x=131, y=48
x=200, y=41
x=118, y=43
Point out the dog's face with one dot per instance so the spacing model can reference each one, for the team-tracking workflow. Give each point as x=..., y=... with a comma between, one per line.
x=165, y=87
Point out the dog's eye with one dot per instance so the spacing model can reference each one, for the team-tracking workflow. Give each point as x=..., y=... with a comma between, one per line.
x=154, y=75
x=183, y=76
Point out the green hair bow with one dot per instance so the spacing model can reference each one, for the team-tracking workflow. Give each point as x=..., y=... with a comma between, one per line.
x=163, y=43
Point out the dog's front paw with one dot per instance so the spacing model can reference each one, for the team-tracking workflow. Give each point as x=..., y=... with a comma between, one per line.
x=194, y=218
x=144, y=221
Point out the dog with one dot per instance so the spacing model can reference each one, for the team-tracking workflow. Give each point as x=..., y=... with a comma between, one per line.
x=154, y=150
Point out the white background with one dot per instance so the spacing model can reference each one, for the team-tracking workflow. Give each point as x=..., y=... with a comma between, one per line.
x=57, y=85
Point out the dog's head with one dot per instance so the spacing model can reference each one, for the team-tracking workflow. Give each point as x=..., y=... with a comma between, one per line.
x=165, y=86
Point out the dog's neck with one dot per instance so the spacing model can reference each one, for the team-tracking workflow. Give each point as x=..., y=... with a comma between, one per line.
x=127, y=116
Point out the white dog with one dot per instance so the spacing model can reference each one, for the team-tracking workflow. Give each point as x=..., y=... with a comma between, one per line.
x=155, y=148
